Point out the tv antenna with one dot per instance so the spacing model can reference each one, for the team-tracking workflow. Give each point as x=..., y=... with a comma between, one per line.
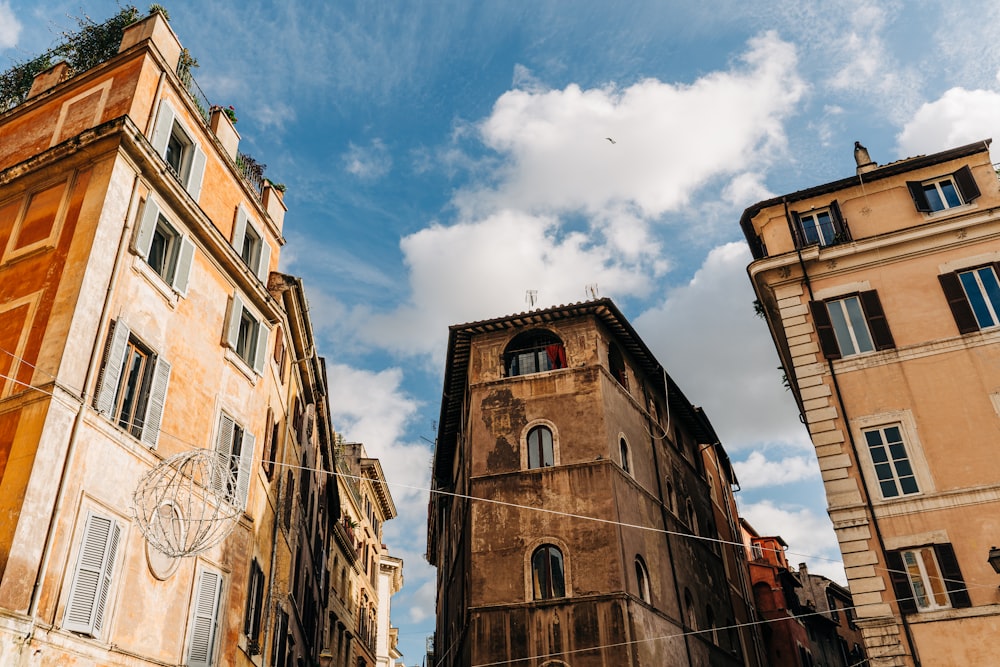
x=530, y=297
x=591, y=290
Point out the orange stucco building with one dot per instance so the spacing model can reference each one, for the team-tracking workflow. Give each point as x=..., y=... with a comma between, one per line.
x=881, y=293
x=141, y=318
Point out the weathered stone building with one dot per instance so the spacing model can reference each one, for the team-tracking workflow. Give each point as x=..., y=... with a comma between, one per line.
x=881, y=293
x=578, y=501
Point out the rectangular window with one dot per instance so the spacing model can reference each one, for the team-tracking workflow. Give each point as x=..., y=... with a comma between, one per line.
x=254, y=609
x=974, y=297
x=181, y=153
x=204, y=619
x=246, y=334
x=92, y=577
x=234, y=445
x=132, y=386
x=249, y=242
x=892, y=464
x=944, y=192
x=927, y=578
x=851, y=325
x=168, y=252
x=824, y=226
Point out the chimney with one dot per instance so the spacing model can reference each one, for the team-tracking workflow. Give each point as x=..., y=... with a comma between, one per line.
x=863, y=159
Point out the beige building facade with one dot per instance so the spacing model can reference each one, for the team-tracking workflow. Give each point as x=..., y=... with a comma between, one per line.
x=881, y=293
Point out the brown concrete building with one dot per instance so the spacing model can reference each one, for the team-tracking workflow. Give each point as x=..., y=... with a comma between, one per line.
x=140, y=319
x=604, y=494
x=881, y=293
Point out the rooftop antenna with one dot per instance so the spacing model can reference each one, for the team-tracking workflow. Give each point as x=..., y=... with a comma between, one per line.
x=591, y=290
x=530, y=297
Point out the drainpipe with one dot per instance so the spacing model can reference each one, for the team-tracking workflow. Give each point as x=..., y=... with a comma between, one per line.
x=74, y=433
x=854, y=451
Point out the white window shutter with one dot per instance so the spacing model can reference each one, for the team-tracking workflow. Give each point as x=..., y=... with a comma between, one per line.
x=246, y=466
x=197, y=172
x=88, y=595
x=224, y=450
x=263, y=263
x=235, y=313
x=154, y=408
x=114, y=359
x=147, y=225
x=239, y=228
x=162, y=129
x=185, y=258
x=260, y=354
x=204, y=613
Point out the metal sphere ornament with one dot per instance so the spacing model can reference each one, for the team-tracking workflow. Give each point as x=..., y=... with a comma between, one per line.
x=186, y=504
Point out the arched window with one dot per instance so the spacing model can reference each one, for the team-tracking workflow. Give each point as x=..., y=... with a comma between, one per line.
x=623, y=450
x=540, y=448
x=533, y=352
x=692, y=517
x=710, y=619
x=671, y=498
x=689, y=612
x=547, y=573
x=616, y=363
x=642, y=579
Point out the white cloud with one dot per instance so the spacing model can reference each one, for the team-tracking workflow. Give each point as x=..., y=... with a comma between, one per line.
x=958, y=117
x=368, y=162
x=809, y=536
x=757, y=471
x=670, y=139
x=708, y=338
x=10, y=27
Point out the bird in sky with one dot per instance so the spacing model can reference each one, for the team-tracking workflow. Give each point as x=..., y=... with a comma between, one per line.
x=611, y=140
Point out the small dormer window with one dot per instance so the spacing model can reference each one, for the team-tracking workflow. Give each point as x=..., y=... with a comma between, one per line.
x=944, y=192
x=824, y=226
x=534, y=352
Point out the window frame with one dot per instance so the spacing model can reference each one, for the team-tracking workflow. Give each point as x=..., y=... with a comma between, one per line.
x=542, y=347
x=192, y=161
x=876, y=326
x=838, y=230
x=259, y=251
x=233, y=480
x=251, y=351
x=546, y=449
x=965, y=187
x=907, y=596
x=642, y=581
x=253, y=613
x=898, y=468
x=176, y=273
x=151, y=392
x=552, y=592
x=957, y=295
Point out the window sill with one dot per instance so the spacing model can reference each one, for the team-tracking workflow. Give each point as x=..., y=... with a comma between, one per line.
x=241, y=365
x=945, y=212
x=168, y=293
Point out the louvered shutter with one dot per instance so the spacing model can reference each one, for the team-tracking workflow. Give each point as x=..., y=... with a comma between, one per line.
x=246, y=465
x=260, y=354
x=154, y=408
x=959, y=303
x=264, y=261
x=88, y=596
x=966, y=184
x=224, y=450
x=147, y=225
x=840, y=230
x=235, y=313
x=197, y=172
x=824, y=329
x=953, y=581
x=204, y=619
x=797, y=230
x=185, y=258
x=162, y=129
x=916, y=189
x=114, y=359
x=877, y=323
x=239, y=229
x=900, y=583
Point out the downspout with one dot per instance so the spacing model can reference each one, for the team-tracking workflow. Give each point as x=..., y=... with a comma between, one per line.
x=664, y=518
x=74, y=433
x=854, y=451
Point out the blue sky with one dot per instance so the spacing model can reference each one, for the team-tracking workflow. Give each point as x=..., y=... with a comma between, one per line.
x=444, y=157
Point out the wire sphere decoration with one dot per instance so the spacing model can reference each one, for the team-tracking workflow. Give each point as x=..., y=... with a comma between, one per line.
x=184, y=505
